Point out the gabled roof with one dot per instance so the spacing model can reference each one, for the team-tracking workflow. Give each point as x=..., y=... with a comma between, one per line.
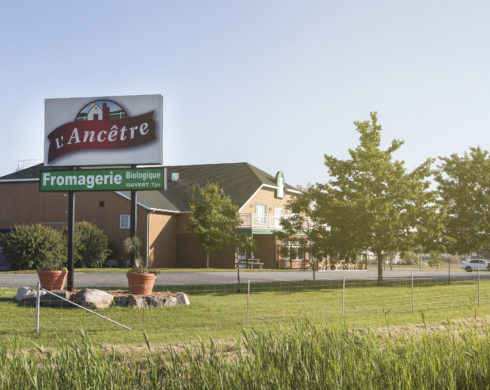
x=239, y=180
x=31, y=173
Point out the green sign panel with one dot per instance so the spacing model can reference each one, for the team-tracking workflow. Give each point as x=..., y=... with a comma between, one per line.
x=102, y=180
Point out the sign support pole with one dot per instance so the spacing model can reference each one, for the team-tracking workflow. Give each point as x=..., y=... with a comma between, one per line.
x=132, y=227
x=71, y=238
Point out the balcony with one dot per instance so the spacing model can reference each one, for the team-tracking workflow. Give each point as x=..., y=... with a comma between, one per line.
x=260, y=221
x=268, y=222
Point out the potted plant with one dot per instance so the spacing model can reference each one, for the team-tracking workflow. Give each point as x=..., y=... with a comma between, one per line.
x=140, y=278
x=51, y=274
x=37, y=247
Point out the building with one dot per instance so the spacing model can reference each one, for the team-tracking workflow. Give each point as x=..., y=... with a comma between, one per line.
x=162, y=215
x=95, y=113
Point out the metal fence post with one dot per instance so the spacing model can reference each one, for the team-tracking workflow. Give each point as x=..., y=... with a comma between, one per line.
x=411, y=276
x=449, y=272
x=343, y=297
x=248, y=299
x=478, y=273
x=38, y=305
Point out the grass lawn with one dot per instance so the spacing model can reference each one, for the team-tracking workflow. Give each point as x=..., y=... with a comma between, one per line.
x=221, y=314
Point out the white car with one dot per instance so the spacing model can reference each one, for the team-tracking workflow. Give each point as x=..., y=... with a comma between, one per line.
x=476, y=264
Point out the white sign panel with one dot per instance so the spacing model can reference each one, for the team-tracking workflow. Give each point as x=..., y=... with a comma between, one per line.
x=108, y=130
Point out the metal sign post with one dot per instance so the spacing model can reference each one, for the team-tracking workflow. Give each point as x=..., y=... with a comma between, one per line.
x=132, y=227
x=71, y=239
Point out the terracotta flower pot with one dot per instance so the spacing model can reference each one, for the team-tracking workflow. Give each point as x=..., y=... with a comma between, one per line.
x=52, y=280
x=141, y=283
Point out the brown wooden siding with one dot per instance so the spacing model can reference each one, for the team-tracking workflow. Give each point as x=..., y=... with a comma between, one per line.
x=162, y=241
x=22, y=203
x=266, y=250
x=170, y=244
x=190, y=254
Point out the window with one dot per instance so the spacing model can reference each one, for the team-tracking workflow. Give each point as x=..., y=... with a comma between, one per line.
x=291, y=250
x=124, y=221
x=277, y=217
x=260, y=214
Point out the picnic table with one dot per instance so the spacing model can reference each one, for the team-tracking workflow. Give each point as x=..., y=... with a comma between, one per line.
x=250, y=263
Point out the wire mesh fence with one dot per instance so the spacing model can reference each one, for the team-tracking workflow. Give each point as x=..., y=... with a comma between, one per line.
x=226, y=308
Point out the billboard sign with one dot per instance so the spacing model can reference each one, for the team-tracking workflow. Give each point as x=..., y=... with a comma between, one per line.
x=102, y=180
x=110, y=130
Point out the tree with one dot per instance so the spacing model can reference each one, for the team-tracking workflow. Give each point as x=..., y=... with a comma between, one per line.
x=244, y=244
x=409, y=258
x=371, y=202
x=213, y=219
x=464, y=189
x=302, y=227
x=435, y=259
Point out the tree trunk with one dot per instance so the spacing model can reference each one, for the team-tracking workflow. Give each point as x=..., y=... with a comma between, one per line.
x=238, y=277
x=207, y=259
x=380, y=269
x=313, y=268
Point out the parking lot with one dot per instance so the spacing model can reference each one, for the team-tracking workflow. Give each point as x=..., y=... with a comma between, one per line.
x=230, y=277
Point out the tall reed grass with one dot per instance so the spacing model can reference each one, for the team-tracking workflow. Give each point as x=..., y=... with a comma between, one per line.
x=303, y=357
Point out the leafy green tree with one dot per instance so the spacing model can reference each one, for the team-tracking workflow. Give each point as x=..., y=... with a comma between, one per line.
x=464, y=189
x=213, y=219
x=371, y=201
x=435, y=259
x=34, y=247
x=244, y=244
x=484, y=252
x=300, y=226
x=91, y=245
x=409, y=258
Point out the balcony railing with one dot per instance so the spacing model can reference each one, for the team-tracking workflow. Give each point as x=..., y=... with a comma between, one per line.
x=266, y=221
x=260, y=221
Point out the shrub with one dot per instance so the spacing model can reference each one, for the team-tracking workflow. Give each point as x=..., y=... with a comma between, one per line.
x=409, y=258
x=34, y=247
x=91, y=245
x=435, y=259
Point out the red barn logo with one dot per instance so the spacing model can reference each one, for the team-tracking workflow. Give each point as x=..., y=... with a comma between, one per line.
x=101, y=124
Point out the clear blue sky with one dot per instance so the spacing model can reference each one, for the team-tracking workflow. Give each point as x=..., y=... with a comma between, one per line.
x=275, y=83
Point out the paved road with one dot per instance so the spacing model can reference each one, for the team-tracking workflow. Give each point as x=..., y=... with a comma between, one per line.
x=212, y=278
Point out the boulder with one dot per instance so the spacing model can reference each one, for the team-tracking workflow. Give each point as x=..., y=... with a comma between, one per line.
x=28, y=296
x=93, y=299
x=137, y=302
x=121, y=300
x=26, y=293
x=182, y=299
x=154, y=301
x=50, y=300
x=171, y=301
x=98, y=299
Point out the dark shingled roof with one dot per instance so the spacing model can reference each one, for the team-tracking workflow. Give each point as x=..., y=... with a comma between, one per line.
x=239, y=180
x=30, y=173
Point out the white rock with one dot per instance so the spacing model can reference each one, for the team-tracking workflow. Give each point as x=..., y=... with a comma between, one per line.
x=93, y=299
x=24, y=293
x=182, y=299
x=171, y=301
